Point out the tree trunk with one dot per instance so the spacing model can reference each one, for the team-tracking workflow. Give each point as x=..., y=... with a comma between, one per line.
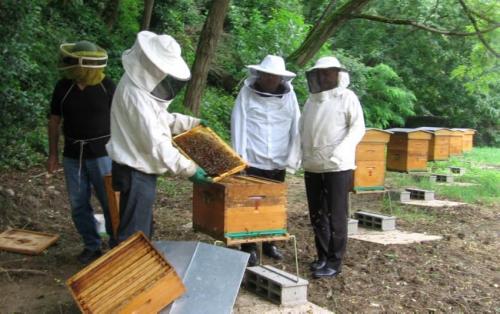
x=110, y=13
x=148, y=11
x=323, y=31
x=212, y=29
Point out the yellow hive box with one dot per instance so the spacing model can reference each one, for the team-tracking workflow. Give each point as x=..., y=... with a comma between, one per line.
x=132, y=278
x=370, y=161
x=241, y=209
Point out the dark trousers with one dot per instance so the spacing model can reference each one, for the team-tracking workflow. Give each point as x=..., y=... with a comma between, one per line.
x=328, y=200
x=137, y=196
x=276, y=175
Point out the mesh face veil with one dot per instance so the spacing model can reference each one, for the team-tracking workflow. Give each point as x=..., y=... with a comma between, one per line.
x=318, y=82
x=168, y=88
x=83, y=62
x=71, y=57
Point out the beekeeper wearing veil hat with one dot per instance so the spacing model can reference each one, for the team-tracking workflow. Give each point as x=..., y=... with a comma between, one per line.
x=81, y=101
x=265, y=129
x=142, y=128
x=332, y=125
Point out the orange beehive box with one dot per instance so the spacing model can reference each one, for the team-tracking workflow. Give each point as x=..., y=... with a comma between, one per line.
x=210, y=152
x=439, y=145
x=456, y=142
x=408, y=150
x=370, y=161
x=132, y=278
x=467, y=139
x=238, y=208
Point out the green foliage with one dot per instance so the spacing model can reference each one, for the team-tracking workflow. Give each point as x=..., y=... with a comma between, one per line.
x=396, y=71
x=216, y=109
x=425, y=60
x=386, y=101
x=257, y=34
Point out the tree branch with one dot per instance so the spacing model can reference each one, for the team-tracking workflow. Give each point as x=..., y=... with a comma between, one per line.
x=482, y=16
x=387, y=20
x=474, y=24
x=327, y=11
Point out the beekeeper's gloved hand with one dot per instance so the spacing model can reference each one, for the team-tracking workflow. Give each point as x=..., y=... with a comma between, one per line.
x=204, y=122
x=200, y=176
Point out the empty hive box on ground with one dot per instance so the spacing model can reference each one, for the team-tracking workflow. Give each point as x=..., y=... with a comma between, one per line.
x=439, y=145
x=467, y=139
x=408, y=149
x=370, y=161
x=456, y=142
x=210, y=152
x=240, y=209
x=132, y=278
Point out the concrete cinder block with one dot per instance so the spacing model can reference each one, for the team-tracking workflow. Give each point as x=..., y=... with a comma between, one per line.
x=352, y=226
x=376, y=221
x=457, y=170
x=276, y=285
x=402, y=196
x=443, y=178
x=418, y=194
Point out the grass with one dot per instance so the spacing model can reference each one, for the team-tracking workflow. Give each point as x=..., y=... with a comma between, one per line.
x=170, y=187
x=482, y=167
x=410, y=214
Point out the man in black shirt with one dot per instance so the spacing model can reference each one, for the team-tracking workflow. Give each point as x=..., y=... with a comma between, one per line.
x=82, y=101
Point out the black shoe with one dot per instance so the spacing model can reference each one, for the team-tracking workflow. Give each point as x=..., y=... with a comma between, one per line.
x=87, y=256
x=325, y=272
x=318, y=264
x=272, y=251
x=253, y=260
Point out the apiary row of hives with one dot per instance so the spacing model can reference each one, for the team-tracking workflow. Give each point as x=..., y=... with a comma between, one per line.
x=405, y=150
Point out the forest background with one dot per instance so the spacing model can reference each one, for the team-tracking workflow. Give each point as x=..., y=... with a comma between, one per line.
x=413, y=63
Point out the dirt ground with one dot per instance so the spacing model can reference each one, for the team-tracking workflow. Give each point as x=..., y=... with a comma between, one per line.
x=457, y=274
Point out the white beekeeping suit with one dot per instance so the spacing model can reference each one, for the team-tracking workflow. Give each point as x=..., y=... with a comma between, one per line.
x=141, y=126
x=265, y=127
x=332, y=124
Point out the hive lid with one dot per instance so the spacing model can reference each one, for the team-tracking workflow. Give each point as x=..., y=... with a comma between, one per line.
x=380, y=130
x=211, y=274
x=405, y=130
x=431, y=128
x=25, y=241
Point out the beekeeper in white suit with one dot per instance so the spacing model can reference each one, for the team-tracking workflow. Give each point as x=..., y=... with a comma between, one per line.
x=141, y=128
x=265, y=129
x=331, y=127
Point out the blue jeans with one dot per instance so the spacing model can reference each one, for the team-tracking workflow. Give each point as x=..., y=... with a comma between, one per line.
x=79, y=190
x=137, y=196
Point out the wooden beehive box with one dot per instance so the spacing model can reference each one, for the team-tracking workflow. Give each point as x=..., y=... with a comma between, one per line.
x=239, y=208
x=370, y=161
x=407, y=150
x=210, y=152
x=467, y=139
x=132, y=278
x=439, y=145
x=456, y=142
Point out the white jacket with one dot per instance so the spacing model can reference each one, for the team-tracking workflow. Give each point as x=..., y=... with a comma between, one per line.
x=141, y=126
x=265, y=130
x=331, y=127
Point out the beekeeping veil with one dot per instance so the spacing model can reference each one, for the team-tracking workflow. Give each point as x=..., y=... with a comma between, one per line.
x=83, y=62
x=314, y=80
x=154, y=63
